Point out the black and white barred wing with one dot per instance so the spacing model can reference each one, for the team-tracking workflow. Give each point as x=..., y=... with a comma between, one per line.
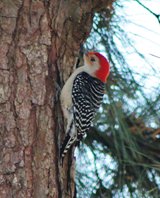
x=87, y=94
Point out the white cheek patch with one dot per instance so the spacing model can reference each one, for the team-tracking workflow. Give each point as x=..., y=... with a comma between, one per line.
x=96, y=66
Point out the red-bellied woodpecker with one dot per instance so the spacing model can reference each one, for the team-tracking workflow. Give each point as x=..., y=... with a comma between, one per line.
x=81, y=97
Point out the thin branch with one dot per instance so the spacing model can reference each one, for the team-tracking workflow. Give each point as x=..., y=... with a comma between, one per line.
x=155, y=56
x=156, y=15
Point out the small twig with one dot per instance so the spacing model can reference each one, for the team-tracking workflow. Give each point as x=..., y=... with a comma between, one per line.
x=155, y=56
x=156, y=15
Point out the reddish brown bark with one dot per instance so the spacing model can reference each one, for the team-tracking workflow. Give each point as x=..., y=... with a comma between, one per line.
x=39, y=41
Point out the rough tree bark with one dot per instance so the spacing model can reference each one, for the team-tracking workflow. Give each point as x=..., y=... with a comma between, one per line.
x=39, y=41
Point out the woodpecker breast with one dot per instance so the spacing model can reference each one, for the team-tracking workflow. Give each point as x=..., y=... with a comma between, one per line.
x=87, y=95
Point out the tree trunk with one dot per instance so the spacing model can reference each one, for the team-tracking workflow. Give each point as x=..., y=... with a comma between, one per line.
x=39, y=41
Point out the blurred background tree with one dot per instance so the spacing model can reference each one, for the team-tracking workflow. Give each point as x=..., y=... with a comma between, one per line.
x=121, y=155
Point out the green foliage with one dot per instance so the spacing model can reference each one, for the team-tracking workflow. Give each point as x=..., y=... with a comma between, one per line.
x=120, y=156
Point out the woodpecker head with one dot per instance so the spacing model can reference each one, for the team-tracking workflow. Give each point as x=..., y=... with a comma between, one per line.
x=97, y=65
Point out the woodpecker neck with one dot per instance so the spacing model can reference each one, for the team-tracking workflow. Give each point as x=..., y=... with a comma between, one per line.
x=102, y=74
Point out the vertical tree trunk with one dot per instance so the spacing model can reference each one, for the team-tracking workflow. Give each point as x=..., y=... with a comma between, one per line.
x=39, y=41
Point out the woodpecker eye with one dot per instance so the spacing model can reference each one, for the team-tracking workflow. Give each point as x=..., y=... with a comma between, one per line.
x=93, y=59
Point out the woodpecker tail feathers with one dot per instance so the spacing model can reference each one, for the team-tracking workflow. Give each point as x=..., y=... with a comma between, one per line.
x=67, y=143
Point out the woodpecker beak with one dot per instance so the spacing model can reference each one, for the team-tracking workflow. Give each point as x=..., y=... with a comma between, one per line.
x=85, y=56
